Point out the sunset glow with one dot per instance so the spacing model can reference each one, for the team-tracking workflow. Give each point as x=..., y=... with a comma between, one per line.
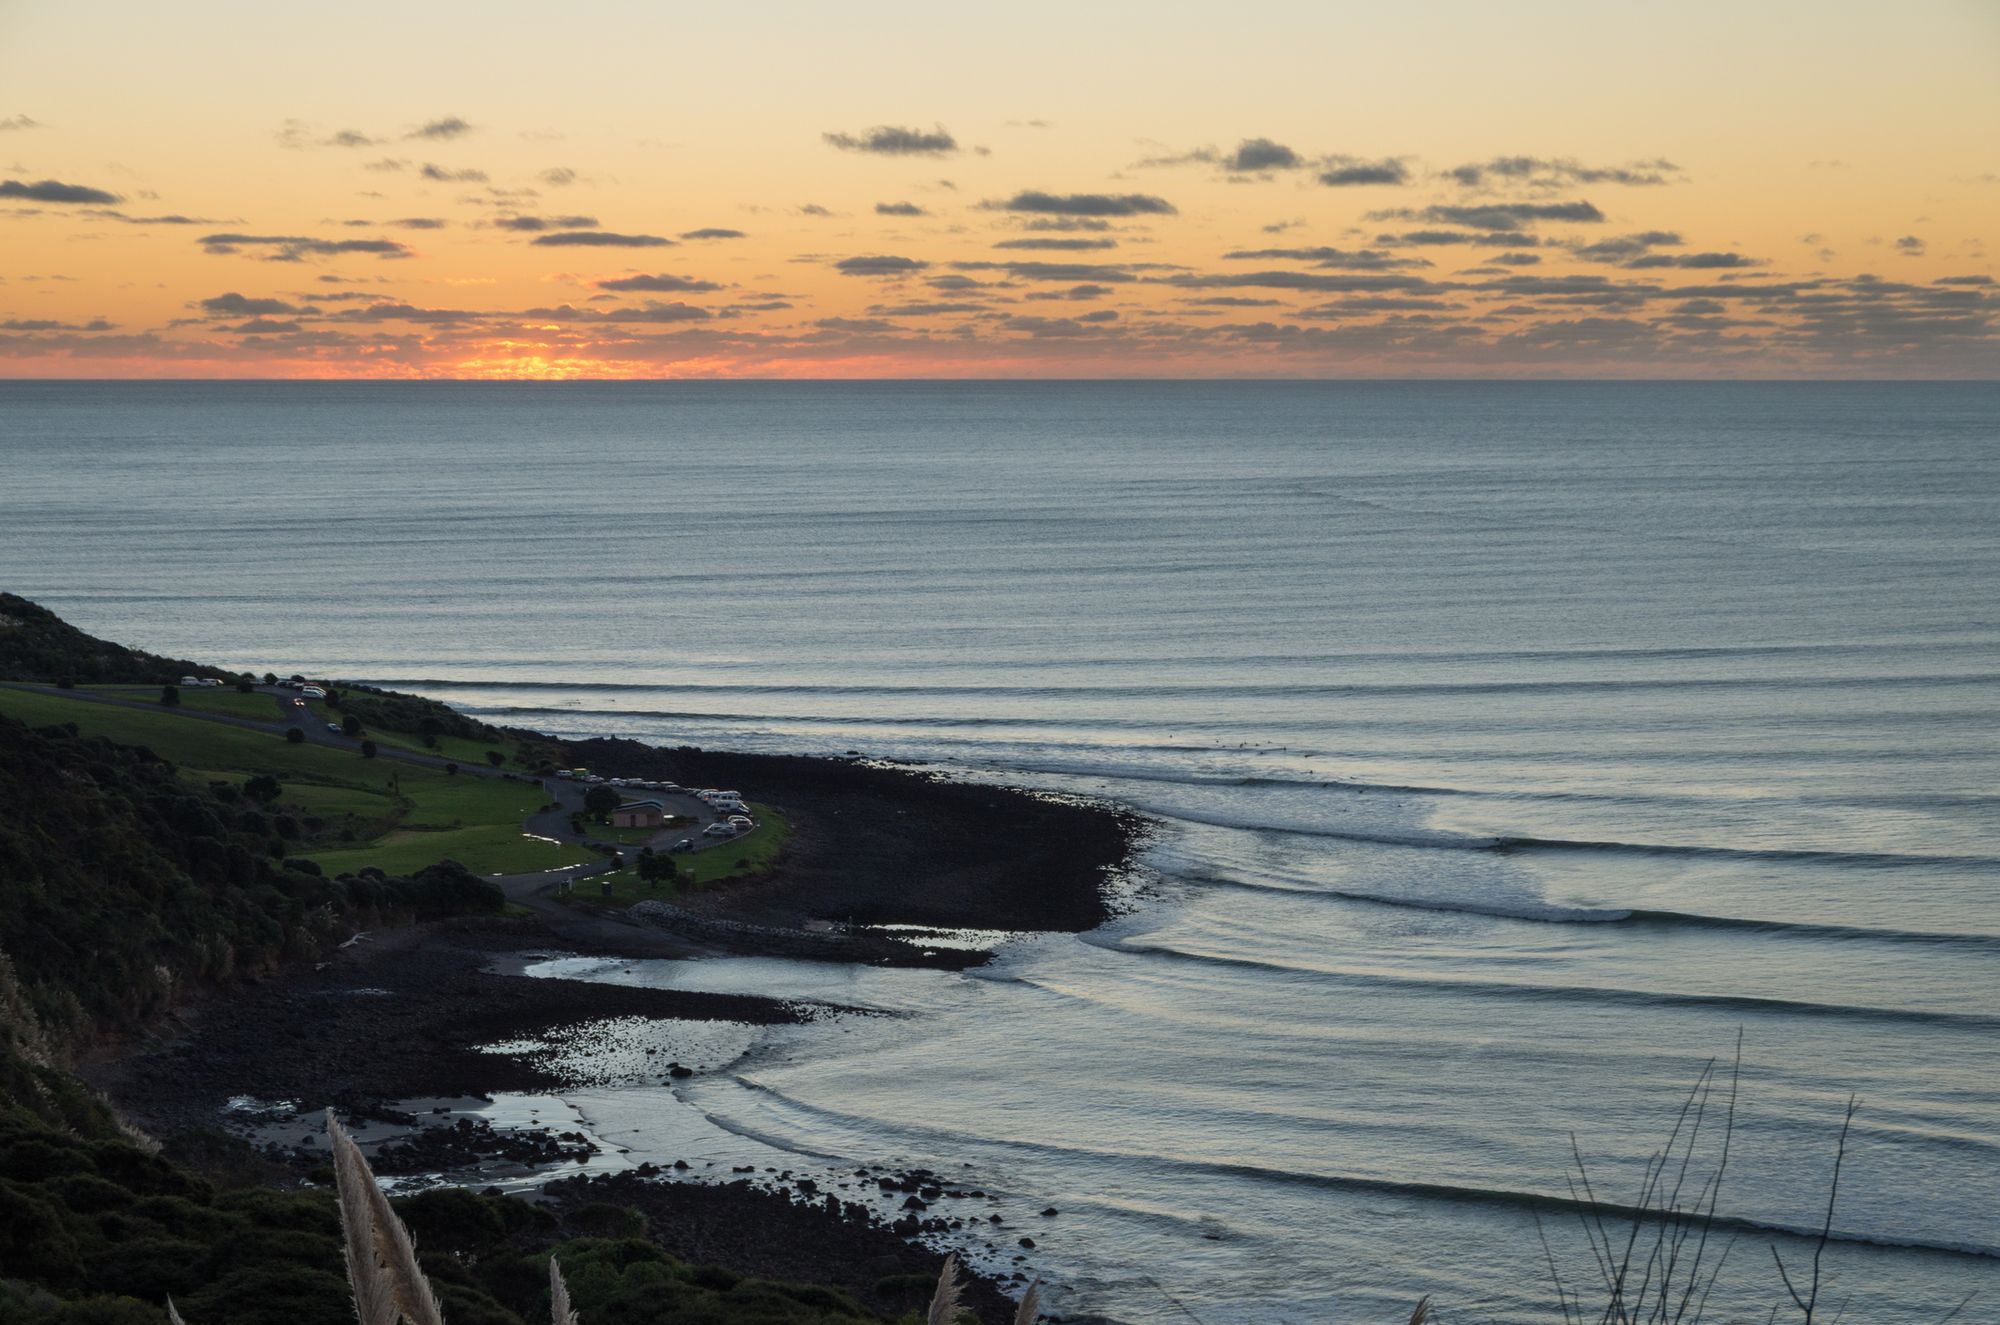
x=1294, y=190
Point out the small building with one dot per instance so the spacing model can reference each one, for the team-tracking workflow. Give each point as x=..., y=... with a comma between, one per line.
x=639, y=814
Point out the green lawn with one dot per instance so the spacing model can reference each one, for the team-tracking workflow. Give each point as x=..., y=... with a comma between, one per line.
x=486, y=849
x=458, y=749
x=428, y=814
x=261, y=708
x=192, y=743
x=750, y=854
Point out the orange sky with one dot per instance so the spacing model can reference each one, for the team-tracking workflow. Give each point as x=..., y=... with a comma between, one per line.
x=804, y=190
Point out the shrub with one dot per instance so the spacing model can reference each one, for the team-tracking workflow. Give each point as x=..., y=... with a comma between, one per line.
x=368, y=749
x=495, y=758
x=170, y=695
x=293, y=736
x=350, y=726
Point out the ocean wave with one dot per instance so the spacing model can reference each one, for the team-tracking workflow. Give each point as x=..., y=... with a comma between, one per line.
x=1550, y=913
x=1217, y=690
x=1646, y=998
x=1074, y=1157
x=1504, y=843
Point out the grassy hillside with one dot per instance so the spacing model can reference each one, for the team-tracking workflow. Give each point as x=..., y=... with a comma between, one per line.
x=123, y=885
x=38, y=645
x=387, y=814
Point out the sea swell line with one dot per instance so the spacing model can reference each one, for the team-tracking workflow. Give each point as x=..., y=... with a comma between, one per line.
x=1574, y=993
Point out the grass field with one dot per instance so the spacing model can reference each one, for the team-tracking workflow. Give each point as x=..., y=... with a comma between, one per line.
x=469, y=754
x=488, y=849
x=752, y=853
x=423, y=815
x=260, y=708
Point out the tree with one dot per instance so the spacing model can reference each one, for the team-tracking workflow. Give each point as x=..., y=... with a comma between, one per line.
x=368, y=749
x=170, y=695
x=270, y=678
x=450, y=769
x=656, y=868
x=245, y=686
x=495, y=758
x=293, y=736
x=350, y=726
x=599, y=802
x=263, y=788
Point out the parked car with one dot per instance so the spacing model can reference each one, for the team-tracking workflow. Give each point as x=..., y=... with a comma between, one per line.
x=333, y=727
x=685, y=844
x=744, y=823
x=720, y=828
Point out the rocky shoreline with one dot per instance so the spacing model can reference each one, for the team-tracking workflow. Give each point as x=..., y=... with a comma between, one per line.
x=409, y=1015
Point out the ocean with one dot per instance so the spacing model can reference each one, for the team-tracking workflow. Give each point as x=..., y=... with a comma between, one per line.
x=1512, y=749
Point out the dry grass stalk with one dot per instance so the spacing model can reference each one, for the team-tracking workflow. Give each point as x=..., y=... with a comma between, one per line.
x=1423, y=1311
x=173, y=1314
x=560, y=1311
x=1030, y=1309
x=367, y=1274
x=944, y=1302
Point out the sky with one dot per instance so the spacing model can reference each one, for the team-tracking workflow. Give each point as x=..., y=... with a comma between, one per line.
x=1540, y=189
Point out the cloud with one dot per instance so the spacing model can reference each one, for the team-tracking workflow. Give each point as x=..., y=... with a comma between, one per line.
x=1559, y=172
x=54, y=190
x=889, y=140
x=444, y=176
x=713, y=232
x=855, y=324
x=557, y=176
x=925, y=310
x=1495, y=215
x=1084, y=204
x=292, y=248
x=1348, y=172
x=1515, y=259
x=174, y=218
x=662, y=283
x=1435, y=238
x=1623, y=248
x=297, y=134
x=1344, y=282
x=237, y=305
x=1101, y=273
x=419, y=223
x=536, y=224
x=1259, y=154
x=50, y=324
x=1252, y=156
x=1060, y=245
x=814, y=209
x=451, y=126
x=879, y=265
x=1910, y=246
x=1693, y=261
x=1234, y=301
x=1064, y=224
x=387, y=165
x=599, y=239
x=16, y=123
x=899, y=209
x=649, y=312
x=1366, y=259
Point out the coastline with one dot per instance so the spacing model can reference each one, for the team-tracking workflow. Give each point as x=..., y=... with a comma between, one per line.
x=410, y=1014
